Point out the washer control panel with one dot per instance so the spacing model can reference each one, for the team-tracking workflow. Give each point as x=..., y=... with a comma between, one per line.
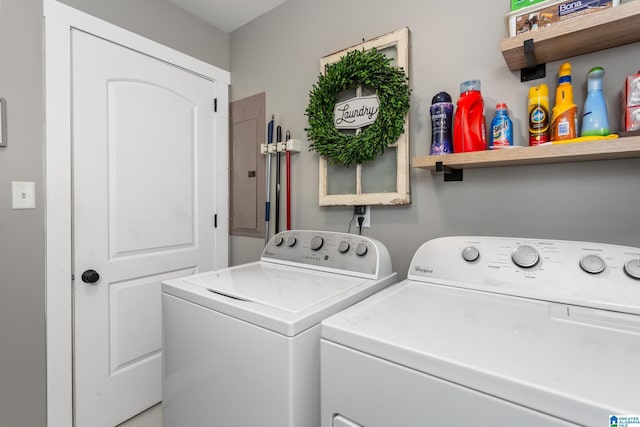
x=329, y=251
x=582, y=273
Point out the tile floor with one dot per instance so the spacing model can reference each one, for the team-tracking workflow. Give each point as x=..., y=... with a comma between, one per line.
x=152, y=417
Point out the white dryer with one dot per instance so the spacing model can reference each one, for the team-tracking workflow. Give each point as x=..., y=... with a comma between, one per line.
x=242, y=344
x=491, y=331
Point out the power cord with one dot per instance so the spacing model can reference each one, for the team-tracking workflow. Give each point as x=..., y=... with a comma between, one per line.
x=360, y=222
x=351, y=223
x=358, y=212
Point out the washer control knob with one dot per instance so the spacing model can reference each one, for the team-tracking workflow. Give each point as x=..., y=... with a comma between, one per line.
x=525, y=256
x=291, y=241
x=470, y=254
x=278, y=241
x=344, y=247
x=316, y=243
x=361, y=249
x=592, y=264
x=632, y=268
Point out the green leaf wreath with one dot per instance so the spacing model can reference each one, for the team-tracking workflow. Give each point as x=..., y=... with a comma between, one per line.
x=358, y=67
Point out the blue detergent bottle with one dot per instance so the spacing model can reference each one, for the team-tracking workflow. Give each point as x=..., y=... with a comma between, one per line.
x=595, y=120
x=501, y=134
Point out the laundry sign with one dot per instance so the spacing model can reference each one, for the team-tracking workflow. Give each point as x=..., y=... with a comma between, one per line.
x=356, y=112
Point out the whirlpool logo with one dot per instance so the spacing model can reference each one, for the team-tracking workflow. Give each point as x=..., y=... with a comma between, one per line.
x=423, y=270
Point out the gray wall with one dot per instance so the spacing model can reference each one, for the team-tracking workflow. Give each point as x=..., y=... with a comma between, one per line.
x=22, y=285
x=279, y=53
x=22, y=345
x=164, y=22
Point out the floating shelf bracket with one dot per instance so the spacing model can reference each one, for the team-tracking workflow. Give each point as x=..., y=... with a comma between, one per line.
x=533, y=70
x=450, y=174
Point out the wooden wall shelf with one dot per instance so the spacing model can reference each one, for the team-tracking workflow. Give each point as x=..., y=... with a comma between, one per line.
x=621, y=148
x=612, y=27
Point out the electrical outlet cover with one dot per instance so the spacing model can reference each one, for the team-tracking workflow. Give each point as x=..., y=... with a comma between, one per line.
x=367, y=217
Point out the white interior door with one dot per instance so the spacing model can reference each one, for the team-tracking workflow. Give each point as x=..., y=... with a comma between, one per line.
x=144, y=196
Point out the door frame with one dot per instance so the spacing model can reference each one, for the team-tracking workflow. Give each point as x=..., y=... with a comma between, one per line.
x=59, y=20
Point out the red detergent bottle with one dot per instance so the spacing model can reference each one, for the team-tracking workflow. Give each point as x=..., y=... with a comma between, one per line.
x=469, y=125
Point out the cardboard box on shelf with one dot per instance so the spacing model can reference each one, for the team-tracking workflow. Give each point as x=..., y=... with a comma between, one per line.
x=632, y=118
x=519, y=4
x=549, y=12
x=630, y=103
x=631, y=91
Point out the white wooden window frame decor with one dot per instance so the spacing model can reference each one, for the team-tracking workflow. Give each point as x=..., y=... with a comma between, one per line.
x=402, y=196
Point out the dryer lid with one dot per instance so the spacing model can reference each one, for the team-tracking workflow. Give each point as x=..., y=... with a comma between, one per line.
x=573, y=362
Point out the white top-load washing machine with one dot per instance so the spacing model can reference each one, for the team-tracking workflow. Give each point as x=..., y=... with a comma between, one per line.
x=490, y=331
x=242, y=344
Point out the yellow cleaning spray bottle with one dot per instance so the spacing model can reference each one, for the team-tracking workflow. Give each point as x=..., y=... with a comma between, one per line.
x=539, y=117
x=564, y=122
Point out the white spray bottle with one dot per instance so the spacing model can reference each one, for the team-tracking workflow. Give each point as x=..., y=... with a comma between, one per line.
x=595, y=120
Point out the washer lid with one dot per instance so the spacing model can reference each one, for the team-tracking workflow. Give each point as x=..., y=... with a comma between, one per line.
x=284, y=299
x=288, y=289
x=575, y=363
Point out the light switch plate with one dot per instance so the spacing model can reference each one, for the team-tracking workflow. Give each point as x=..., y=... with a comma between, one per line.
x=23, y=195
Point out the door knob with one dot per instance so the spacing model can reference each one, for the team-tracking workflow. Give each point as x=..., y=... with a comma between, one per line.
x=90, y=276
